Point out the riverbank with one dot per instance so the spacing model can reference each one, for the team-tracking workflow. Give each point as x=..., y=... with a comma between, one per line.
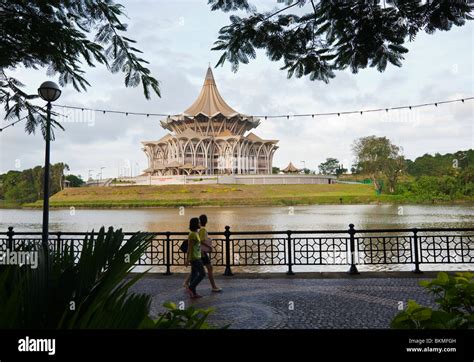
x=223, y=195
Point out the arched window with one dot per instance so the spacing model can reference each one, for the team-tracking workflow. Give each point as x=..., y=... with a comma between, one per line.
x=188, y=153
x=200, y=155
x=262, y=159
x=252, y=160
x=216, y=159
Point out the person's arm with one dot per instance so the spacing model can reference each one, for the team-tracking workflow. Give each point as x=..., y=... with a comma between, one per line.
x=190, y=248
x=207, y=241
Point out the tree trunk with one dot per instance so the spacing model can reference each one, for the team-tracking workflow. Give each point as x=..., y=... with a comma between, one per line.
x=376, y=184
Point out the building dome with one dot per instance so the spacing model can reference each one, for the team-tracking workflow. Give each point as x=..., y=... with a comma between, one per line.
x=210, y=115
x=209, y=138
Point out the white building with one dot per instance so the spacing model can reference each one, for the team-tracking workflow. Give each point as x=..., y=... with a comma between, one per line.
x=209, y=138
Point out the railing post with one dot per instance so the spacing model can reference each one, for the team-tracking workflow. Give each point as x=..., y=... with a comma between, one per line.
x=415, y=251
x=58, y=243
x=353, y=269
x=228, y=270
x=290, y=251
x=168, y=254
x=10, y=234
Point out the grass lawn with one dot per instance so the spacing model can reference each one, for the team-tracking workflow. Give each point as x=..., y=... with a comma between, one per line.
x=218, y=195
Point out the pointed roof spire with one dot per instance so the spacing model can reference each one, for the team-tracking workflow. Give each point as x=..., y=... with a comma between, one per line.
x=290, y=168
x=209, y=101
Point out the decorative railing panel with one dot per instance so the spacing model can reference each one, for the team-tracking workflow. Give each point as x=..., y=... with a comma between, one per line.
x=287, y=248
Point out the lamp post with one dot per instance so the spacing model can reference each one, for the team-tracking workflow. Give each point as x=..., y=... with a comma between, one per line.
x=101, y=172
x=48, y=91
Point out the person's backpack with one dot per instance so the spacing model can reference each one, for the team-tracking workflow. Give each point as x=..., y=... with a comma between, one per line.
x=184, y=246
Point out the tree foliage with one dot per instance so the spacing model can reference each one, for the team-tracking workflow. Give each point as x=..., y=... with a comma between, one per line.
x=27, y=185
x=75, y=181
x=331, y=167
x=448, y=164
x=316, y=38
x=62, y=36
x=378, y=157
x=439, y=177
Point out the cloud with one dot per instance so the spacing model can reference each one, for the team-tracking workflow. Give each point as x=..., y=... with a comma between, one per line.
x=176, y=38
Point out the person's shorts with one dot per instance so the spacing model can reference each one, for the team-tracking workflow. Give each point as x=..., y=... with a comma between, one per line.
x=205, y=259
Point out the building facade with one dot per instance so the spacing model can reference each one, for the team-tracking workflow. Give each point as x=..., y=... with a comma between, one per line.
x=209, y=138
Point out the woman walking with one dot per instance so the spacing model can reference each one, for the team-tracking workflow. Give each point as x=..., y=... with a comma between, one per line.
x=206, y=248
x=193, y=258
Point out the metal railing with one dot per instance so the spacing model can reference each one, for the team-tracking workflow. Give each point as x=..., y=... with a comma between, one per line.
x=292, y=248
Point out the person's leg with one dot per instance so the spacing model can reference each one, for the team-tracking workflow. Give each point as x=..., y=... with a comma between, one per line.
x=197, y=274
x=207, y=263
x=193, y=277
x=186, y=282
x=210, y=275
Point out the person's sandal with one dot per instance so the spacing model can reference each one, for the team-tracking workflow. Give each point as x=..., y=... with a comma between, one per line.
x=190, y=292
x=217, y=290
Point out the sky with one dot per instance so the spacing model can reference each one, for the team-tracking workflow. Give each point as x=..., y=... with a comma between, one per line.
x=176, y=37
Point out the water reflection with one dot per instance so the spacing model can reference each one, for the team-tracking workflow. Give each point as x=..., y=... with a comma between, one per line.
x=320, y=217
x=316, y=217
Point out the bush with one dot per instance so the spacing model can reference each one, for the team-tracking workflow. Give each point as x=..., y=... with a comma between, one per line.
x=89, y=290
x=426, y=188
x=175, y=318
x=455, y=299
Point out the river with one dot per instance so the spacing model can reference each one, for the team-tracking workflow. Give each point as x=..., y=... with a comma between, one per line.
x=315, y=217
x=245, y=218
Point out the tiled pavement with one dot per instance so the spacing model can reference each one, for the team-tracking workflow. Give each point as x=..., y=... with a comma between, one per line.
x=293, y=302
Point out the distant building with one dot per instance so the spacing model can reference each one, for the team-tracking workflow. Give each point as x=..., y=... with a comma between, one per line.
x=290, y=169
x=209, y=138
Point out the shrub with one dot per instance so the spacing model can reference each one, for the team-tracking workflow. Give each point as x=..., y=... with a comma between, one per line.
x=89, y=290
x=455, y=299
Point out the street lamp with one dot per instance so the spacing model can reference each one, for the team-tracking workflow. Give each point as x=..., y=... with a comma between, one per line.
x=101, y=172
x=48, y=91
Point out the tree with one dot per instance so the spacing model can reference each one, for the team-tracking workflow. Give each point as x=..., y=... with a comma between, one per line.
x=440, y=165
x=329, y=167
x=57, y=176
x=332, y=35
x=27, y=185
x=394, y=168
x=355, y=169
x=75, y=181
x=340, y=170
x=377, y=157
x=62, y=35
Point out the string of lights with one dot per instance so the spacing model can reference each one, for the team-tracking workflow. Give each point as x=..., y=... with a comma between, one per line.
x=25, y=117
x=361, y=112
x=385, y=109
x=13, y=123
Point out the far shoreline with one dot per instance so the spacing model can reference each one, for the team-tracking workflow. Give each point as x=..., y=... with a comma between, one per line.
x=177, y=205
x=228, y=195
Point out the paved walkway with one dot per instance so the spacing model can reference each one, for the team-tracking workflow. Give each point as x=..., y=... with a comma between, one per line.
x=293, y=302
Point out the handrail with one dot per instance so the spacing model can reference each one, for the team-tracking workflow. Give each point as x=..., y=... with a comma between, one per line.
x=293, y=248
x=256, y=232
